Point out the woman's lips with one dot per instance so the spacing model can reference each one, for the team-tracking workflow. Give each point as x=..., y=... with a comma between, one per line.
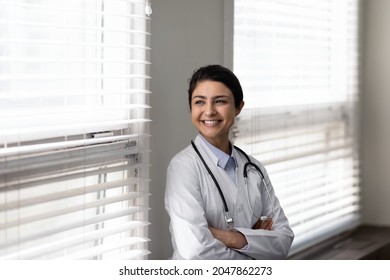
x=211, y=122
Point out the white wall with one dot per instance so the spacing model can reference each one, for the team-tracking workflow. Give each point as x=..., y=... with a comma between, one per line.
x=186, y=34
x=375, y=106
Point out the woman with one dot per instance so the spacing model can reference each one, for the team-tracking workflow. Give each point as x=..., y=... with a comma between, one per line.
x=199, y=226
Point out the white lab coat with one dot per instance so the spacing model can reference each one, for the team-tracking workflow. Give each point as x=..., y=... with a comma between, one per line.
x=193, y=203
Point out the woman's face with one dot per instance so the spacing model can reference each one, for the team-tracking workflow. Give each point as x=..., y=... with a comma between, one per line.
x=213, y=111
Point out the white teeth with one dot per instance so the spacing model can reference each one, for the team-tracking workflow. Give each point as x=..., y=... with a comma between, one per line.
x=210, y=122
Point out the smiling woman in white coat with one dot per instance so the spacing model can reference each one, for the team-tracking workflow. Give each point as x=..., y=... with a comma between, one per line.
x=220, y=201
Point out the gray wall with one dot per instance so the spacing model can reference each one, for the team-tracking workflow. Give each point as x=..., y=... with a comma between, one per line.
x=375, y=102
x=187, y=34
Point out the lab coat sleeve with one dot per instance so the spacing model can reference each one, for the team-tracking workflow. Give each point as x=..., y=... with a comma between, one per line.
x=269, y=244
x=184, y=204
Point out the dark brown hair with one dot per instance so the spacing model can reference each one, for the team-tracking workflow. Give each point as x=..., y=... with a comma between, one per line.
x=220, y=74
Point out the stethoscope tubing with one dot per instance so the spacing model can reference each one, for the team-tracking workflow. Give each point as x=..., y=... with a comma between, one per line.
x=248, y=163
x=212, y=176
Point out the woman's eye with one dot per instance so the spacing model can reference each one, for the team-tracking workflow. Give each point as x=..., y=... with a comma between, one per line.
x=221, y=101
x=199, y=102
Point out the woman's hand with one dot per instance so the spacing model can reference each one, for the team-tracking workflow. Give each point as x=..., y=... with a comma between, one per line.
x=263, y=224
x=231, y=239
x=235, y=239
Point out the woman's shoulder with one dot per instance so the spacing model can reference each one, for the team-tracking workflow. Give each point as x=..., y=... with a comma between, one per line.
x=185, y=156
x=245, y=156
x=184, y=163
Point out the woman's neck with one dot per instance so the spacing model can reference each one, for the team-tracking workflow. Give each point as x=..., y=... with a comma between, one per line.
x=222, y=143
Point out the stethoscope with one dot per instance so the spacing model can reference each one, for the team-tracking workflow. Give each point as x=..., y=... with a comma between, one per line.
x=228, y=219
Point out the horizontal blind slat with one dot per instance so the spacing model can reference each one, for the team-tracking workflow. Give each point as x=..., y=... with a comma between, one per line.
x=47, y=147
x=26, y=202
x=30, y=133
x=313, y=180
x=19, y=222
x=48, y=76
x=322, y=206
x=320, y=221
x=60, y=93
x=64, y=177
x=51, y=25
x=97, y=250
x=103, y=152
x=57, y=44
x=66, y=113
x=69, y=165
x=48, y=8
x=72, y=60
x=134, y=254
x=74, y=240
x=73, y=225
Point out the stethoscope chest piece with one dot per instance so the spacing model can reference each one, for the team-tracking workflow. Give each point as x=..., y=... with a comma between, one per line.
x=229, y=221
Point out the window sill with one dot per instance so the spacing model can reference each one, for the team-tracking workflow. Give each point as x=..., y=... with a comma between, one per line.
x=363, y=243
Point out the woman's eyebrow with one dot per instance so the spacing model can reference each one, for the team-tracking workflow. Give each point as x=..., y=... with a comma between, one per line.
x=214, y=97
x=199, y=96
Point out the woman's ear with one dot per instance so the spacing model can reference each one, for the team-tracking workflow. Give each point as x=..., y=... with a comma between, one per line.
x=238, y=110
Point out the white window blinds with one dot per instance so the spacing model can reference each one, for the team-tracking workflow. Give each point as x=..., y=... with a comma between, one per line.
x=74, y=134
x=298, y=64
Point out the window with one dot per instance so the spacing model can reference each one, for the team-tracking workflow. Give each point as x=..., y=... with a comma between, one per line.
x=298, y=64
x=74, y=134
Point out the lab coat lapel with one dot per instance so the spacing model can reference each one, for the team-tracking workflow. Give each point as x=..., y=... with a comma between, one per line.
x=228, y=187
x=241, y=217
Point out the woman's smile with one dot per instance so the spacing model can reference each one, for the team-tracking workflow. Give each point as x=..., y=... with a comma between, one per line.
x=211, y=123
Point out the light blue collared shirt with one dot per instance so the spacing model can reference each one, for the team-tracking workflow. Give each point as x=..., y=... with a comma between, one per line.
x=225, y=161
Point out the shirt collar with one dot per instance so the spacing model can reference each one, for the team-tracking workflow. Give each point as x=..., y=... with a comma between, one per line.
x=221, y=155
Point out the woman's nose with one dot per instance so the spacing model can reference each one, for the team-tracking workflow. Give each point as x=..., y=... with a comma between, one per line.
x=210, y=110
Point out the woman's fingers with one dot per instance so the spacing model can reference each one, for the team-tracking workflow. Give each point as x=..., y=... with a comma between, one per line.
x=263, y=224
